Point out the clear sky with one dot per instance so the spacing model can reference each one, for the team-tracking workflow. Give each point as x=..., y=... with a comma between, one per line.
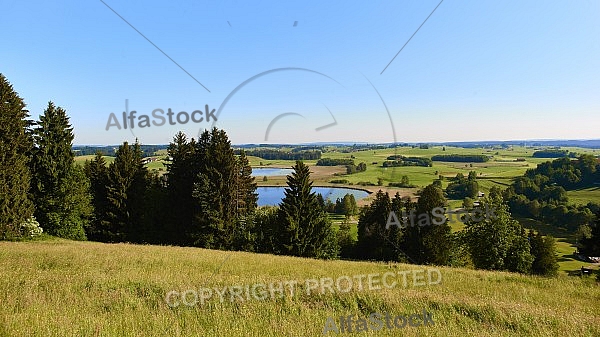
x=476, y=70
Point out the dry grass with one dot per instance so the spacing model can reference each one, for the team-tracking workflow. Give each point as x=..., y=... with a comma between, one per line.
x=65, y=288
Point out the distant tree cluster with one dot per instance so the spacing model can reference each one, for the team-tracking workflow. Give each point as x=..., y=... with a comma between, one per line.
x=398, y=160
x=550, y=154
x=345, y=206
x=461, y=158
x=271, y=154
x=541, y=193
x=351, y=169
x=462, y=187
x=84, y=150
x=404, y=183
x=334, y=162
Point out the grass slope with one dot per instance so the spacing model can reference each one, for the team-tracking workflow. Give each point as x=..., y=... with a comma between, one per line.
x=66, y=288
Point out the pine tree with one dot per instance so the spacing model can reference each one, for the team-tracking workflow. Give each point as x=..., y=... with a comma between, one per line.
x=305, y=230
x=15, y=204
x=62, y=206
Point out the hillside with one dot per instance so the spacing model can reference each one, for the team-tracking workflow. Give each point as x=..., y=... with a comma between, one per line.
x=68, y=288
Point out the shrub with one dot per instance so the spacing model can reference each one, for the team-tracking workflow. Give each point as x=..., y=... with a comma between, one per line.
x=31, y=228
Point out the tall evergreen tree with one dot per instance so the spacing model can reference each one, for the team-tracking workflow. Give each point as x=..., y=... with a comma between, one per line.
x=97, y=172
x=15, y=204
x=182, y=171
x=62, y=206
x=246, y=195
x=127, y=181
x=434, y=240
x=215, y=191
x=305, y=229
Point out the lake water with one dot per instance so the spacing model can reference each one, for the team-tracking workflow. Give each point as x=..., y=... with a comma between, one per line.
x=269, y=172
x=273, y=195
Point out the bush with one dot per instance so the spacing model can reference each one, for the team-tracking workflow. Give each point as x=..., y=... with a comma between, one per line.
x=31, y=228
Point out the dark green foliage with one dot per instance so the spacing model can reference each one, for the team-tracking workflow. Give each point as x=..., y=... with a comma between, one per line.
x=550, y=154
x=215, y=191
x=432, y=243
x=398, y=160
x=542, y=192
x=182, y=172
x=543, y=250
x=97, y=173
x=351, y=169
x=375, y=241
x=126, y=188
x=265, y=222
x=462, y=187
x=334, y=162
x=346, y=206
x=305, y=230
x=461, y=158
x=271, y=154
x=498, y=244
x=404, y=183
x=15, y=205
x=60, y=189
x=591, y=246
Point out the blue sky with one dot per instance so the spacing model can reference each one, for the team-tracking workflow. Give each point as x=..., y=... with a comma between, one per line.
x=476, y=70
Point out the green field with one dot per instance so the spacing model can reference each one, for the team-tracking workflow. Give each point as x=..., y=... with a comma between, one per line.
x=66, y=288
x=499, y=171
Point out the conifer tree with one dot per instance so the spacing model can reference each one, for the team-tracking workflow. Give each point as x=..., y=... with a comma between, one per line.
x=63, y=207
x=374, y=240
x=97, y=172
x=215, y=191
x=305, y=229
x=182, y=171
x=15, y=204
x=127, y=181
x=431, y=243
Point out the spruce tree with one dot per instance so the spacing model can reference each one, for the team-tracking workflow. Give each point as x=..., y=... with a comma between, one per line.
x=15, y=204
x=305, y=229
x=62, y=206
x=374, y=240
x=215, y=191
x=127, y=181
x=435, y=240
x=181, y=175
x=97, y=172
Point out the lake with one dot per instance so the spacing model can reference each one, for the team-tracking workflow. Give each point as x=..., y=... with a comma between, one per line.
x=269, y=172
x=272, y=195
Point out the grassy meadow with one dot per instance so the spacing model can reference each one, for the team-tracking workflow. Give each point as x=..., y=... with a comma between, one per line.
x=67, y=288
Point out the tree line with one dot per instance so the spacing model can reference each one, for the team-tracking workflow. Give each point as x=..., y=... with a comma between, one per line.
x=461, y=158
x=271, y=154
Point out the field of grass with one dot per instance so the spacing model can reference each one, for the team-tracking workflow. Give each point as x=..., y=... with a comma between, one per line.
x=66, y=288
